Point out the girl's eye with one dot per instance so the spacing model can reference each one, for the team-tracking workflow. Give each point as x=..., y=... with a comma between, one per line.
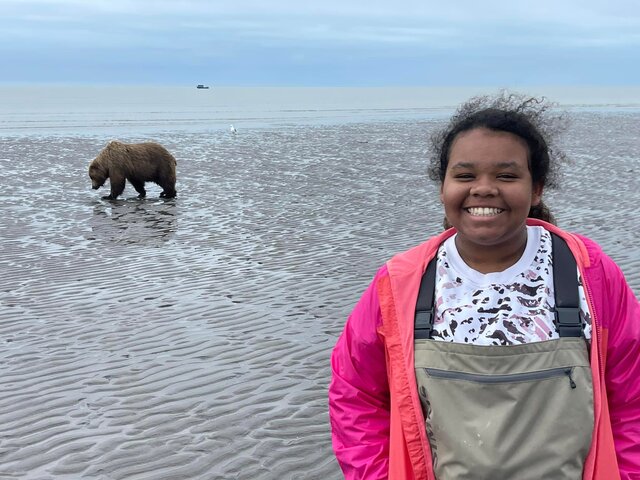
x=464, y=176
x=507, y=176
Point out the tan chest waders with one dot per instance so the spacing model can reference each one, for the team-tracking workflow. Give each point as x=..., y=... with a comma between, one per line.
x=519, y=412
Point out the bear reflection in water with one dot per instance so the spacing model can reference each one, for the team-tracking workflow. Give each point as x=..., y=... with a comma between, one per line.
x=134, y=221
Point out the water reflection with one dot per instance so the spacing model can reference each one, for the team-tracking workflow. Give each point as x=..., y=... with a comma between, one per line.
x=134, y=221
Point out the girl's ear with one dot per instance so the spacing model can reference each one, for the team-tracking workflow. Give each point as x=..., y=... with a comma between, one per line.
x=536, y=194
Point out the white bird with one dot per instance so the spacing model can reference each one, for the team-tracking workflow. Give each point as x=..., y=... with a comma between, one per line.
x=232, y=129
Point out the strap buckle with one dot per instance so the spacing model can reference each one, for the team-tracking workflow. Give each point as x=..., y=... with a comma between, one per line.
x=568, y=321
x=423, y=325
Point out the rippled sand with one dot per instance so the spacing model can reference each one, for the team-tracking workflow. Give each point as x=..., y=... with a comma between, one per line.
x=190, y=338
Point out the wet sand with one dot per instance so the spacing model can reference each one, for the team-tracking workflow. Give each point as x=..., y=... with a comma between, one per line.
x=190, y=338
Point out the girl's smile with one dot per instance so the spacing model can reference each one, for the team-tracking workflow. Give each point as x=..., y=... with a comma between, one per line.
x=484, y=211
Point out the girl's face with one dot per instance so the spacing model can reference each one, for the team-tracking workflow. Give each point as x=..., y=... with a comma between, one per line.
x=488, y=190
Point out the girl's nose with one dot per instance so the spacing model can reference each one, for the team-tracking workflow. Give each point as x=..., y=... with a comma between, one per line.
x=483, y=188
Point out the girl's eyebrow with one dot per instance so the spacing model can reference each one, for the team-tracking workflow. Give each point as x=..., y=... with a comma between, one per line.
x=498, y=165
x=462, y=165
x=507, y=165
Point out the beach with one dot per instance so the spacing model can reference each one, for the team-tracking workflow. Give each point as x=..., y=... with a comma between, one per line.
x=190, y=338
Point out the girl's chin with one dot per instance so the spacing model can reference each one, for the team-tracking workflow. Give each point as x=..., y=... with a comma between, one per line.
x=488, y=235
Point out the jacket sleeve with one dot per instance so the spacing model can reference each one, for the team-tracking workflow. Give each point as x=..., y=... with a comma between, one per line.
x=359, y=393
x=622, y=373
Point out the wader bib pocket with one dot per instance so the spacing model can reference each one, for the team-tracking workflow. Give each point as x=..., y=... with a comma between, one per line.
x=520, y=412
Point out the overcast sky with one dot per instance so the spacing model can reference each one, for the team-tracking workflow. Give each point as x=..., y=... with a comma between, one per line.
x=321, y=42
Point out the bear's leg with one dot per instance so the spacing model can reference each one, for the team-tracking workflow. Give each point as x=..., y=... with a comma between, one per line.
x=139, y=186
x=168, y=189
x=117, y=185
x=168, y=194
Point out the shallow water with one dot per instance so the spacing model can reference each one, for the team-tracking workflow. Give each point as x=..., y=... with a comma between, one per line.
x=190, y=338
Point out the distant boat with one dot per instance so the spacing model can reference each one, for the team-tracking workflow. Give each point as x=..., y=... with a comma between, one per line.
x=202, y=86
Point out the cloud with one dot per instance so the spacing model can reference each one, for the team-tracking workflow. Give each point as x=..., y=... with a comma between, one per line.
x=353, y=22
x=330, y=34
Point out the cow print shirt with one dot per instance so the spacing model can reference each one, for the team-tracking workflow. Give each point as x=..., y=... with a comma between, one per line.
x=514, y=306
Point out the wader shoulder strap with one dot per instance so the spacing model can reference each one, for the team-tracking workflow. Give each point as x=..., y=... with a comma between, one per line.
x=565, y=285
x=424, y=305
x=565, y=280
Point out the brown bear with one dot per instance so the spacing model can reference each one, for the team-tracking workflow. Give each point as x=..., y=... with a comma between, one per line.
x=136, y=162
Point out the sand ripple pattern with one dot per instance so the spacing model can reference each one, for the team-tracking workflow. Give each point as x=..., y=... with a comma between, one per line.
x=190, y=338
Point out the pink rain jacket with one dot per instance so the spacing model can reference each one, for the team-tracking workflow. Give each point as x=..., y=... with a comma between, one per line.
x=377, y=423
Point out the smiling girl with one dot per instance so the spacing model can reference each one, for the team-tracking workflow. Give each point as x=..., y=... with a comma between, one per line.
x=503, y=348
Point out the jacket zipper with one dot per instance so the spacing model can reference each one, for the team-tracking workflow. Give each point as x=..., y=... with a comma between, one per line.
x=506, y=378
x=595, y=343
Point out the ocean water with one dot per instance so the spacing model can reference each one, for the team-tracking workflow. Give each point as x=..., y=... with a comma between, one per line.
x=115, y=110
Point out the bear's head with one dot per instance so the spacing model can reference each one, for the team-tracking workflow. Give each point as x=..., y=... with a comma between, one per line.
x=98, y=175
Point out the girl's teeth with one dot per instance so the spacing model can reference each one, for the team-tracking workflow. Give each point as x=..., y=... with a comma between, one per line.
x=484, y=212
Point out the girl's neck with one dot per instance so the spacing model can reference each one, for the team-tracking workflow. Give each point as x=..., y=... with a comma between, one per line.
x=492, y=258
